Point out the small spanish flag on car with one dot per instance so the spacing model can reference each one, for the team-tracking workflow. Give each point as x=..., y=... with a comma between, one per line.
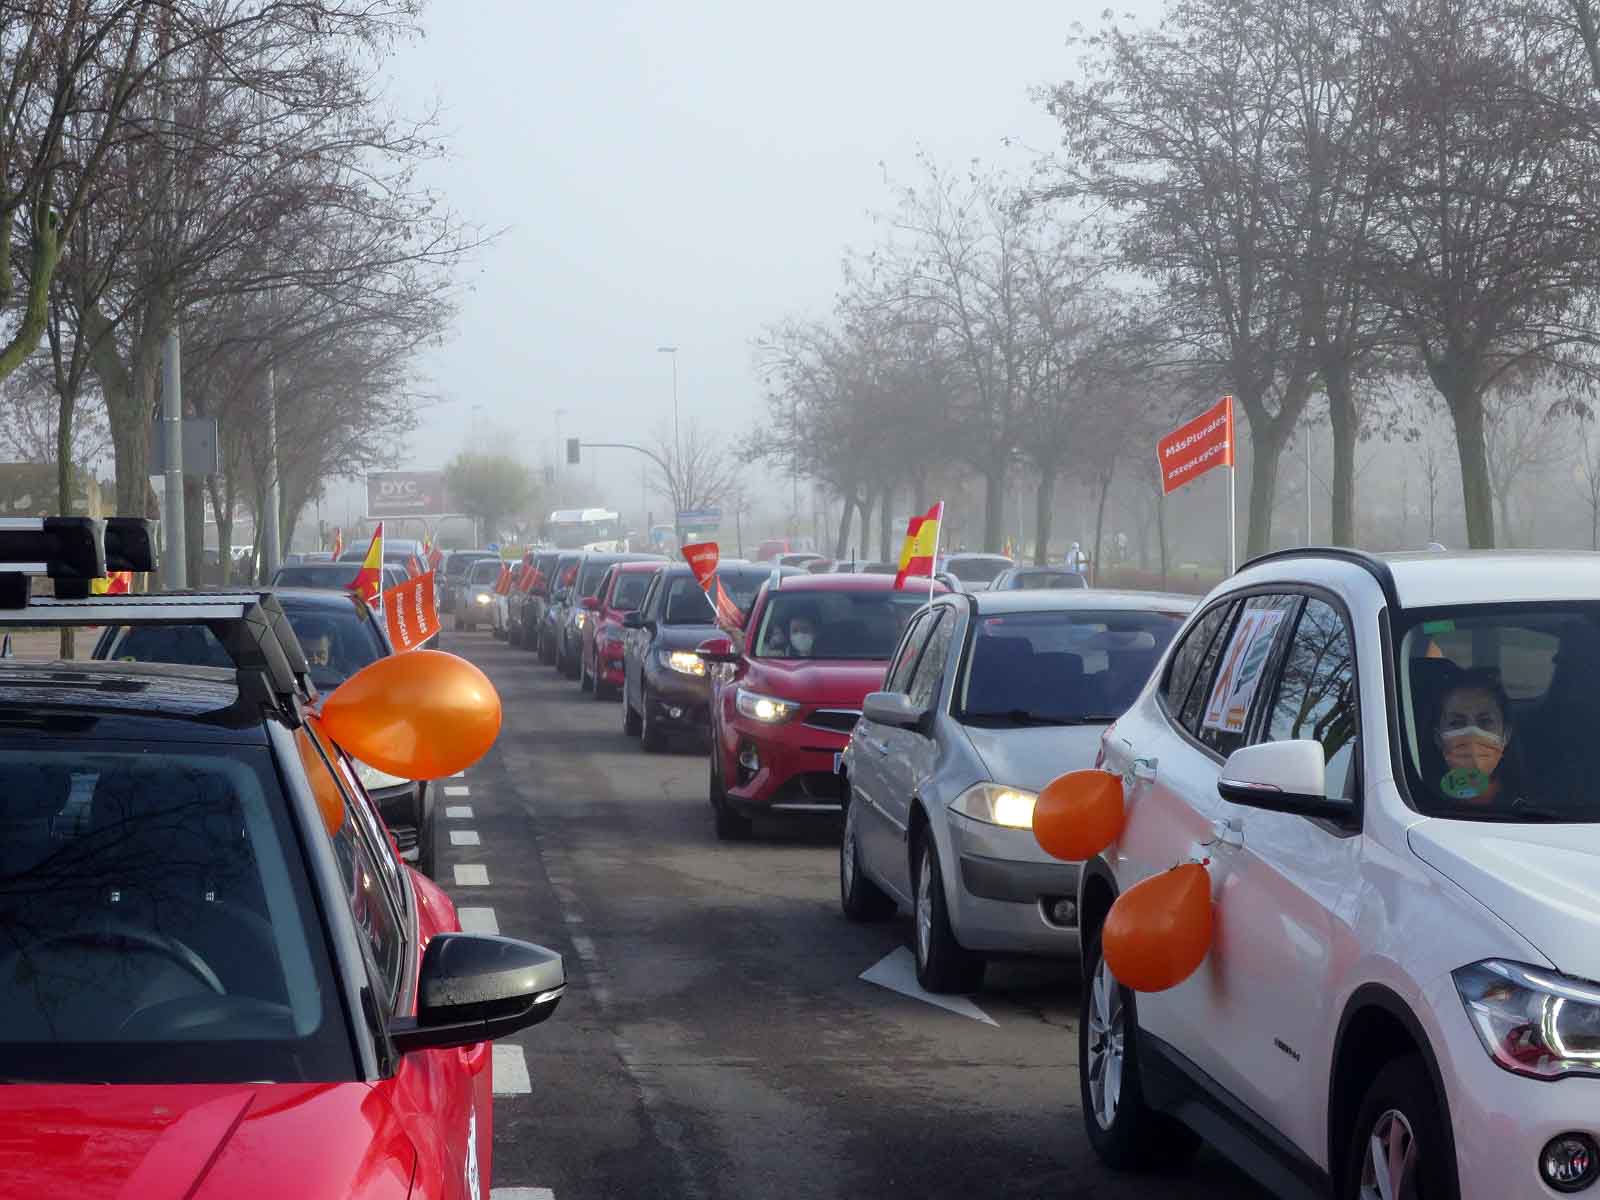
x=118, y=583
x=368, y=583
x=922, y=545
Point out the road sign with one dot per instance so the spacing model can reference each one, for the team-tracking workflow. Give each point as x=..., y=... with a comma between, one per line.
x=700, y=518
x=200, y=455
x=407, y=494
x=572, y=450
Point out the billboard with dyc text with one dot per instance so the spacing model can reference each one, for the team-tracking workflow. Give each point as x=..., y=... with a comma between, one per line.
x=407, y=494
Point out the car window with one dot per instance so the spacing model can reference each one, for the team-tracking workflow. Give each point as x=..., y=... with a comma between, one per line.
x=1189, y=658
x=156, y=922
x=1245, y=661
x=194, y=645
x=629, y=590
x=647, y=606
x=316, y=575
x=1066, y=666
x=835, y=625
x=604, y=590
x=976, y=570
x=1316, y=694
x=485, y=570
x=924, y=688
x=1031, y=580
x=337, y=642
x=686, y=603
x=742, y=585
x=898, y=678
x=590, y=576
x=370, y=903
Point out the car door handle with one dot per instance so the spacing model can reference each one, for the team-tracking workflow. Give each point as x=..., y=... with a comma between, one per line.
x=1229, y=831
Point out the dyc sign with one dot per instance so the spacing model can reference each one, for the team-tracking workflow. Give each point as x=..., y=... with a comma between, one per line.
x=407, y=494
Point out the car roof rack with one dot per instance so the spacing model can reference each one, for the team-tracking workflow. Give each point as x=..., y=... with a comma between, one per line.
x=1370, y=563
x=251, y=626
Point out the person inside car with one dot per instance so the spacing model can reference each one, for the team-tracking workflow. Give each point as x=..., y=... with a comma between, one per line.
x=793, y=639
x=1473, y=732
x=319, y=648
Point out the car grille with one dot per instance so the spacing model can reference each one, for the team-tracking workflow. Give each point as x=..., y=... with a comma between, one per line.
x=839, y=720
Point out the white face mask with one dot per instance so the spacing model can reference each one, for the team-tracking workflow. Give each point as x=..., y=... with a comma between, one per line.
x=801, y=640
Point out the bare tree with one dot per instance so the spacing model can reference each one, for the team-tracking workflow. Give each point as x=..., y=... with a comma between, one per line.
x=1587, y=473
x=1520, y=443
x=693, y=471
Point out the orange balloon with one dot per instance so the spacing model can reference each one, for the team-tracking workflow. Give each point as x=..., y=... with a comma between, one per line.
x=423, y=714
x=1159, y=931
x=1078, y=814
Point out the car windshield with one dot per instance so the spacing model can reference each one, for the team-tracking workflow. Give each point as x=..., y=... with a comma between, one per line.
x=687, y=603
x=1068, y=667
x=156, y=925
x=835, y=625
x=976, y=570
x=316, y=575
x=590, y=576
x=743, y=584
x=1042, y=580
x=1499, y=710
x=629, y=590
x=459, y=563
x=485, y=570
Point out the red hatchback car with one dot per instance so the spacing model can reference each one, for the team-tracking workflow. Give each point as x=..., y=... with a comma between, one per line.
x=783, y=703
x=620, y=592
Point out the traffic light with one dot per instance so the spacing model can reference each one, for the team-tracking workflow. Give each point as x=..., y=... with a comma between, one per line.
x=572, y=450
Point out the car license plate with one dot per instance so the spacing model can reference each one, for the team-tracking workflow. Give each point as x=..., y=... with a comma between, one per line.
x=838, y=761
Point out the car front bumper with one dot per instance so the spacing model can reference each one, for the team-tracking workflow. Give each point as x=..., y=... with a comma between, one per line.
x=1004, y=895
x=681, y=703
x=781, y=768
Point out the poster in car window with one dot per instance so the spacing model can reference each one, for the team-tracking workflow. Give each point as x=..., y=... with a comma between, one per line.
x=1241, y=670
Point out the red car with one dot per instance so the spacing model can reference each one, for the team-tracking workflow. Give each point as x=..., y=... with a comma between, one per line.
x=620, y=591
x=785, y=699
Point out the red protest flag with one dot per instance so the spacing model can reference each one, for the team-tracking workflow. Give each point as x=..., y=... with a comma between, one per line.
x=435, y=557
x=1197, y=446
x=702, y=558
x=502, y=585
x=413, y=567
x=368, y=583
x=410, y=613
x=729, y=615
x=338, y=541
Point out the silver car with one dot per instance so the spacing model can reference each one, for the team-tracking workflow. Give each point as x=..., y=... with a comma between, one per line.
x=989, y=697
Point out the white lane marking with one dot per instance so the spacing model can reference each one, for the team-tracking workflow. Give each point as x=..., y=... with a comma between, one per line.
x=522, y=1194
x=510, y=1071
x=457, y=790
x=458, y=812
x=898, y=973
x=477, y=920
x=459, y=775
x=464, y=837
x=471, y=875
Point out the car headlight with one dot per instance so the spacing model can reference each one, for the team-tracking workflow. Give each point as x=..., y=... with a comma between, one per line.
x=580, y=618
x=1531, y=1021
x=684, y=662
x=994, y=804
x=767, y=709
x=483, y=598
x=375, y=780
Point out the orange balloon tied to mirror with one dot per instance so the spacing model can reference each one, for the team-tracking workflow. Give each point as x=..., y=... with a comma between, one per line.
x=1078, y=814
x=424, y=714
x=1159, y=932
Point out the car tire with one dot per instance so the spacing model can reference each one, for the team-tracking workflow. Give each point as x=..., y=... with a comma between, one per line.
x=1400, y=1108
x=731, y=825
x=585, y=680
x=651, y=739
x=859, y=898
x=630, y=715
x=602, y=689
x=547, y=649
x=944, y=965
x=1125, y=1133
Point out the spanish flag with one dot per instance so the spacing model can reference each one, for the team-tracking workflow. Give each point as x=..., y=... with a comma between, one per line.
x=922, y=545
x=368, y=583
x=338, y=541
x=118, y=583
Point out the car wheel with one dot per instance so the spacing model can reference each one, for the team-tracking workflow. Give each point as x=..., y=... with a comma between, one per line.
x=943, y=964
x=1125, y=1133
x=602, y=689
x=426, y=859
x=630, y=716
x=731, y=825
x=650, y=736
x=585, y=680
x=547, y=648
x=859, y=897
x=1398, y=1145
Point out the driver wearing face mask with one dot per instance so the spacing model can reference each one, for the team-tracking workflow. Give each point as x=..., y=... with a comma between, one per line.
x=802, y=636
x=1472, y=732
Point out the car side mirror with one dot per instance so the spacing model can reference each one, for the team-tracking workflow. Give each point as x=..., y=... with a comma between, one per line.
x=592, y=603
x=633, y=619
x=717, y=650
x=474, y=987
x=893, y=708
x=1288, y=777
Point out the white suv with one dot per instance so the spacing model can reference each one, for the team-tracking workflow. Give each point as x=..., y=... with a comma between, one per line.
x=1393, y=768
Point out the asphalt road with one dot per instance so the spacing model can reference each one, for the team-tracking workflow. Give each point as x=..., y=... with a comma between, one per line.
x=717, y=1041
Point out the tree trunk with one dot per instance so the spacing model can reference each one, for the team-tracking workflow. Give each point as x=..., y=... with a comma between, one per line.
x=886, y=527
x=64, y=407
x=1267, y=452
x=994, y=509
x=1346, y=422
x=1044, y=505
x=845, y=519
x=1508, y=534
x=1466, y=410
x=222, y=509
x=1104, y=482
x=194, y=529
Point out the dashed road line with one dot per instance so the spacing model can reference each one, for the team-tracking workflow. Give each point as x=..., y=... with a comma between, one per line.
x=520, y=1193
x=478, y=920
x=464, y=837
x=510, y=1071
x=457, y=790
x=471, y=875
x=458, y=812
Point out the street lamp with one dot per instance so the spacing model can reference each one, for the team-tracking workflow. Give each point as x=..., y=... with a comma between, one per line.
x=677, y=446
x=559, y=459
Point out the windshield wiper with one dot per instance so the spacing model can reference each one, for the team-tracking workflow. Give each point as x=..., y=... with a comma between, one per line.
x=1021, y=716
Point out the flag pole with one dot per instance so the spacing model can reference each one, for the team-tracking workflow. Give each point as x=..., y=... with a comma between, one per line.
x=933, y=567
x=1233, y=532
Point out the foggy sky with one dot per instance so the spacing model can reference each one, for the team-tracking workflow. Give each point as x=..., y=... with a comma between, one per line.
x=682, y=173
